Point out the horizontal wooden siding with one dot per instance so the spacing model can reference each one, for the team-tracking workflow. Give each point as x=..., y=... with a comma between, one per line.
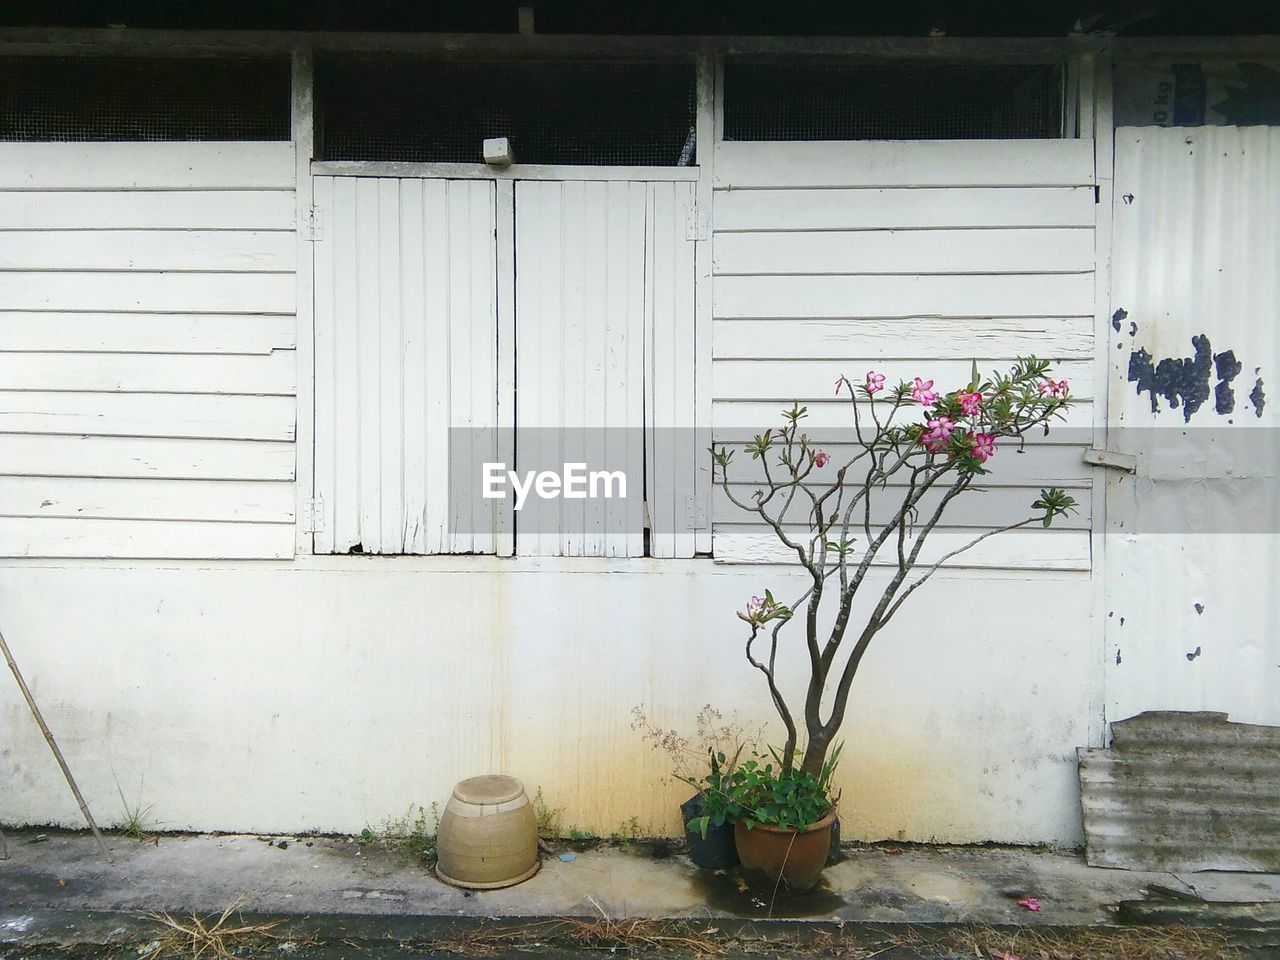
x=910, y=258
x=147, y=337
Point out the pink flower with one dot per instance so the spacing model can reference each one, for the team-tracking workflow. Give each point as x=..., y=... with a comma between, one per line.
x=1031, y=903
x=755, y=606
x=820, y=459
x=970, y=402
x=1053, y=388
x=875, y=381
x=922, y=392
x=983, y=446
x=935, y=437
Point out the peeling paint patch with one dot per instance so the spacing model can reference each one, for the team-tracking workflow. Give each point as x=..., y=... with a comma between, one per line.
x=1180, y=380
x=1117, y=317
x=1258, y=398
x=1227, y=367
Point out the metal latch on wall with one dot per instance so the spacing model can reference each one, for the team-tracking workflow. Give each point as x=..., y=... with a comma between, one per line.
x=1111, y=460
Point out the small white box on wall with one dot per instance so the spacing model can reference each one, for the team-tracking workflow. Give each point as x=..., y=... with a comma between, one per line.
x=497, y=152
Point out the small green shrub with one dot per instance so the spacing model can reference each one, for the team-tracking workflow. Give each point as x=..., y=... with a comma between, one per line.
x=414, y=832
x=547, y=818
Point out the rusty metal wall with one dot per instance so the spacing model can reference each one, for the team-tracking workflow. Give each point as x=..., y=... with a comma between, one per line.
x=1193, y=546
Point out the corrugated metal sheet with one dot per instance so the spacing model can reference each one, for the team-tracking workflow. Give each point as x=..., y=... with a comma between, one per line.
x=1193, y=552
x=1183, y=791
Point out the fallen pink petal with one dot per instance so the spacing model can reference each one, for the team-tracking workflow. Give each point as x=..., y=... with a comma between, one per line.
x=1030, y=903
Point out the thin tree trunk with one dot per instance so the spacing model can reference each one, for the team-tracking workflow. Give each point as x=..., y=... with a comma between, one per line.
x=53, y=745
x=815, y=755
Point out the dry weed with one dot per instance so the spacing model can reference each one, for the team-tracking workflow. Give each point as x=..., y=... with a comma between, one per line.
x=197, y=936
x=1145, y=943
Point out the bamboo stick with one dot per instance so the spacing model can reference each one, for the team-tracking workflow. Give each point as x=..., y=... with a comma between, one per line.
x=53, y=745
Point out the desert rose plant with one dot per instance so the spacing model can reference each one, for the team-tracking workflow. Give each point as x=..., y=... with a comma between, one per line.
x=929, y=443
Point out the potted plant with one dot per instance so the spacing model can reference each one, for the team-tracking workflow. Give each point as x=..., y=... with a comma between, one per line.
x=708, y=826
x=706, y=814
x=932, y=446
x=783, y=817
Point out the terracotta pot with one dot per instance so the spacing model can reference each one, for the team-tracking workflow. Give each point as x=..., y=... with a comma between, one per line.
x=488, y=835
x=797, y=856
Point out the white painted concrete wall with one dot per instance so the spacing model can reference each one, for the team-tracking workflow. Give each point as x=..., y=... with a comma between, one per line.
x=330, y=693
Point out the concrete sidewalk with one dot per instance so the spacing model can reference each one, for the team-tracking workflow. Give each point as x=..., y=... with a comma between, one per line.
x=316, y=875
x=64, y=875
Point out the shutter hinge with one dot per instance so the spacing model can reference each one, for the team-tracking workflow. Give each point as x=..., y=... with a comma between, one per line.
x=695, y=226
x=1112, y=460
x=313, y=515
x=313, y=224
x=695, y=513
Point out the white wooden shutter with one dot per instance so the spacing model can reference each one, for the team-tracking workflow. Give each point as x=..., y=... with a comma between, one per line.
x=406, y=363
x=604, y=361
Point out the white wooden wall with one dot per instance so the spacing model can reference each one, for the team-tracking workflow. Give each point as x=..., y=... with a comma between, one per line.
x=147, y=349
x=909, y=258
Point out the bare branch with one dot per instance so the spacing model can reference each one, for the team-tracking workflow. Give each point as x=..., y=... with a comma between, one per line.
x=954, y=553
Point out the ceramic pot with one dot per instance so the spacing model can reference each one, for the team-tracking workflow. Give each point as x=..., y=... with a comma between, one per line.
x=796, y=856
x=717, y=850
x=488, y=835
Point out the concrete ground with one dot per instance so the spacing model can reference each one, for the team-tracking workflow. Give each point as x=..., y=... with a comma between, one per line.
x=49, y=878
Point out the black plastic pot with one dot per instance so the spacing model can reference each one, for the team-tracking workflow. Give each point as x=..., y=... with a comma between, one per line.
x=835, y=854
x=717, y=851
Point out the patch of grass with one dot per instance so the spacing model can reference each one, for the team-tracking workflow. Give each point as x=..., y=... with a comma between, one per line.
x=547, y=817
x=197, y=936
x=133, y=822
x=627, y=831
x=581, y=839
x=414, y=832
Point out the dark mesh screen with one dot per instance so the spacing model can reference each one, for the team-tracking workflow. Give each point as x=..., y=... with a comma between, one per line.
x=110, y=98
x=576, y=113
x=891, y=101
